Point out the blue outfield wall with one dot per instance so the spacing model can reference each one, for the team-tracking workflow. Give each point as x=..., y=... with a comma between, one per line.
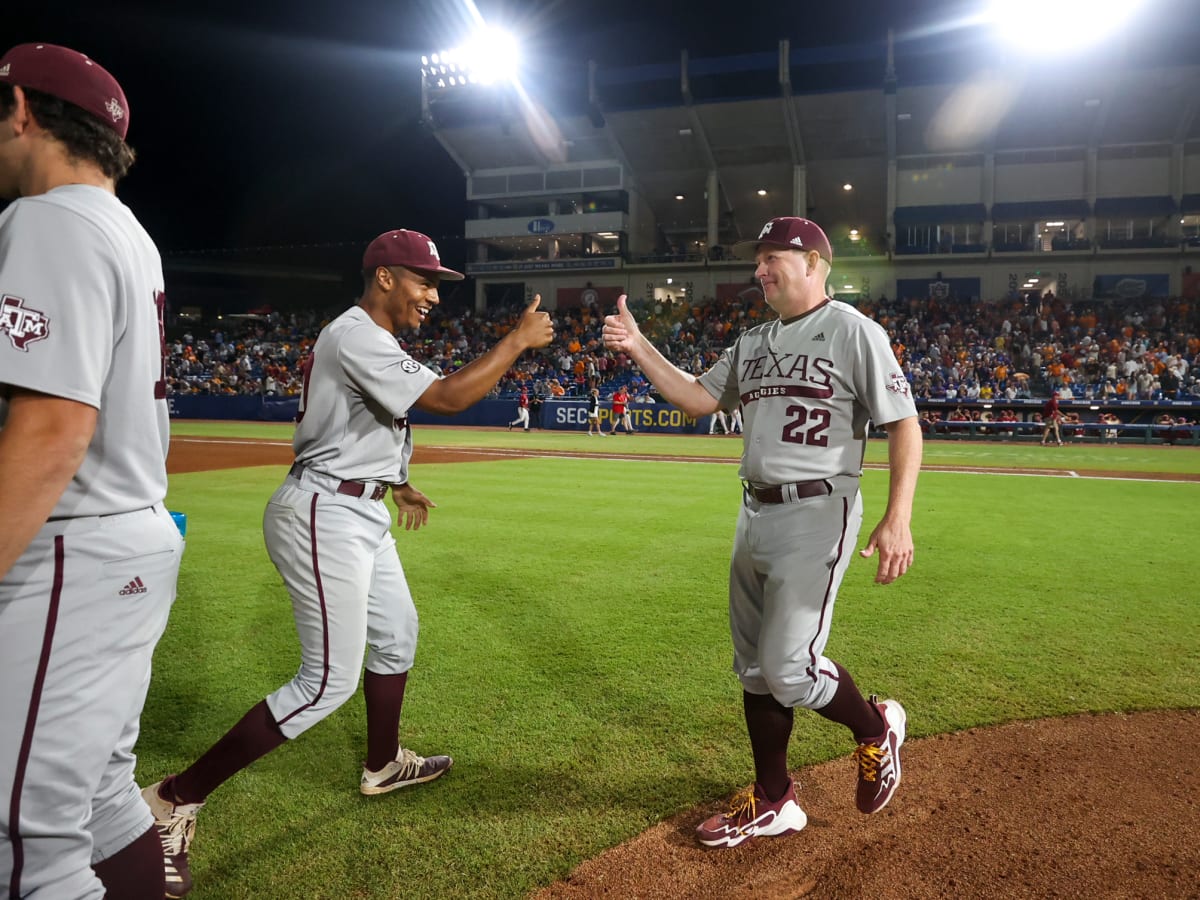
x=557, y=415
x=662, y=418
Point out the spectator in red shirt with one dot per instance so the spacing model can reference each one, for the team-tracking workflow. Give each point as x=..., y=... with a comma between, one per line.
x=620, y=411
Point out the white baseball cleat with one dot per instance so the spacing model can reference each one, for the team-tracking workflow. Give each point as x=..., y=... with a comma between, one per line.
x=407, y=768
x=175, y=824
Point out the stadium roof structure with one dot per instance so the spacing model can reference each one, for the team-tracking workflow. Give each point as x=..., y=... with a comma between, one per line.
x=784, y=132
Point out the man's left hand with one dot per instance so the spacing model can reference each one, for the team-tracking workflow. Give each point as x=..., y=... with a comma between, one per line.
x=895, y=544
x=412, y=507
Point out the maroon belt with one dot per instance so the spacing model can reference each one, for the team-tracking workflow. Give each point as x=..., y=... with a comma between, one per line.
x=782, y=493
x=351, y=488
x=359, y=488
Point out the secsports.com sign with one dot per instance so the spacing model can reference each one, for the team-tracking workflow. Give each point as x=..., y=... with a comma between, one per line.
x=645, y=417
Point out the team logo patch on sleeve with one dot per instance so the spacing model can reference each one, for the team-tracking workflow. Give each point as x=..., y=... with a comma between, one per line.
x=410, y=366
x=898, y=384
x=22, y=324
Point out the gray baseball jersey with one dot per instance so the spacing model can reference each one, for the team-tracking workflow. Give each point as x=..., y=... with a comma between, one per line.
x=335, y=551
x=355, y=402
x=808, y=386
x=85, y=324
x=81, y=302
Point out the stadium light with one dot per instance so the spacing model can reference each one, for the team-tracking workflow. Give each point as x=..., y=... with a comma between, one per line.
x=1035, y=26
x=491, y=55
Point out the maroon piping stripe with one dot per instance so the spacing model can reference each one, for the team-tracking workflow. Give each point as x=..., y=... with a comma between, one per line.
x=35, y=699
x=312, y=522
x=812, y=666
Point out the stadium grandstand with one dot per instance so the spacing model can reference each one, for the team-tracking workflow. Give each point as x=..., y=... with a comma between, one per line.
x=1022, y=228
x=1083, y=181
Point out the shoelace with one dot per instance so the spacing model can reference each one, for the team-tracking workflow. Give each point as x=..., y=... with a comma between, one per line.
x=410, y=763
x=869, y=757
x=178, y=833
x=743, y=804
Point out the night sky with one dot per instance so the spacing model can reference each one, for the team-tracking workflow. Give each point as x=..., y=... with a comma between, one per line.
x=263, y=123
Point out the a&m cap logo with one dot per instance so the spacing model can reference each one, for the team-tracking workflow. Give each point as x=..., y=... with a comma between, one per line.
x=766, y=229
x=22, y=324
x=433, y=250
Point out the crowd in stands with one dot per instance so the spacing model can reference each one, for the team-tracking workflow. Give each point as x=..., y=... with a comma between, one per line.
x=1096, y=350
x=245, y=355
x=950, y=349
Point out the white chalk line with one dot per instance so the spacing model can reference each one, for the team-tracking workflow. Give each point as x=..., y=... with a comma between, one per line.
x=535, y=454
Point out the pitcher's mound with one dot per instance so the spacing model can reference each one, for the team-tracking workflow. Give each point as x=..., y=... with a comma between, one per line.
x=1097, y=806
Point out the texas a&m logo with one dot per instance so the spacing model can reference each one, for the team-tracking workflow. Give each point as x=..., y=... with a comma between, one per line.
x=22, y=324
x=897, y=384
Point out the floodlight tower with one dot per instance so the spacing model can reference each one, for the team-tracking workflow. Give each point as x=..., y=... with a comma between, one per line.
x=491, y=57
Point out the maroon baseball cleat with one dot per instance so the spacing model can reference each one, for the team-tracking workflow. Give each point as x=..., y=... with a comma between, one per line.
x=879, y=759
x=752, y=815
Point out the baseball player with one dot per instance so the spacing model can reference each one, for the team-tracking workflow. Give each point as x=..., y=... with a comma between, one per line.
x=808, y=382
x=88, y=555
x=735, y=420
x=329, y=533
x=522, y=418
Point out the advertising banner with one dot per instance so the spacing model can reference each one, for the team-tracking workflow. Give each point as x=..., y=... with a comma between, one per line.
x=1191, y=285
x=586, y=296
x=940, y=289
x=1131, y=287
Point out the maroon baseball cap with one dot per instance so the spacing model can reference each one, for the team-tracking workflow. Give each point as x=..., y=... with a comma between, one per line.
x=790, y=233
x=68, y=75
x=410, y=249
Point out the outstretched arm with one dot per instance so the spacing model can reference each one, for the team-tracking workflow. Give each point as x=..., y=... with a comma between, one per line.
x=681, y=388
x=893, y=536
x=470, y=384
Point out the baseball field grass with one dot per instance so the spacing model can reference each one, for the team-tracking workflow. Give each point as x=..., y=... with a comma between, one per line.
x=574, y=657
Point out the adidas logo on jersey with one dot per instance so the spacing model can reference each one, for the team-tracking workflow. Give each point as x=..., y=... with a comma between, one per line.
x=820, y=336
x=134, y=587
